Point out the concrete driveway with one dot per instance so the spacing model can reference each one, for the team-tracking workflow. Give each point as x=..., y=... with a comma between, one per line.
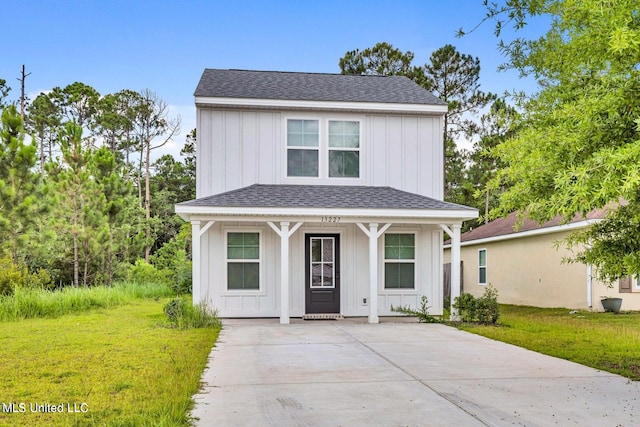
x=347, y=373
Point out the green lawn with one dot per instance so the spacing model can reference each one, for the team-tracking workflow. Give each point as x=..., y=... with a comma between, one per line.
x=121, y=363
x=605, y=341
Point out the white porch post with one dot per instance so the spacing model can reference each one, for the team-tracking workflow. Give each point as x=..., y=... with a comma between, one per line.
x=373, y=234
x=454, y=234
x=284, y=232
x=195, y=257
x=284, y=272
x=455, y=266
x=373, y=273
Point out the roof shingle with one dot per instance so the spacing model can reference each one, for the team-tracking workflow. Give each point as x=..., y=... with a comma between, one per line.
x=507, y=225
x=312, y=87
x=322, y=196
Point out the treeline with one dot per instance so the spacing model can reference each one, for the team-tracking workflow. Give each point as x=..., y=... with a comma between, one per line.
x=482, y=118
x=81, y=201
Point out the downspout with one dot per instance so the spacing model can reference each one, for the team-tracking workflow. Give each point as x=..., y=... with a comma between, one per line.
x=589, y=287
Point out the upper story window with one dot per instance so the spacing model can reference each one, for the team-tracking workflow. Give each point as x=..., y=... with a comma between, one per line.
x=302, y=148
x=344, y=149
x=323, y=148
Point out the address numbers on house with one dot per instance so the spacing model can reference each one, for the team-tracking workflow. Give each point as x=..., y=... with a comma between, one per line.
x=330, y=219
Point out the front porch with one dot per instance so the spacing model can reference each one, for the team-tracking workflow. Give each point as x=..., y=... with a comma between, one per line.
x=366, y=254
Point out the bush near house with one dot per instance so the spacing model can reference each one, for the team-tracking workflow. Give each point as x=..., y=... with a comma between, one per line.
x=482, y=310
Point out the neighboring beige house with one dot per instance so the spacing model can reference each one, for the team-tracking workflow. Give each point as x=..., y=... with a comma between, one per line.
x=318, y=195
x=526, y=267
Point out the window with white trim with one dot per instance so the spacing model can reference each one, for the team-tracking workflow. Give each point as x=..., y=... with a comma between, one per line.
x=243, y=261
x=399, y=261
x=323, y=148
x=344, y=149
x=303, y=146
x=482, y=267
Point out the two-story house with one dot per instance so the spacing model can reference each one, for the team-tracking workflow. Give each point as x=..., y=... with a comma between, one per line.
x=319, y=194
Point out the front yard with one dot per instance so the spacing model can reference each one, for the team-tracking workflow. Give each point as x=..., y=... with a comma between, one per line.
x=117, y=366
x=604, y=341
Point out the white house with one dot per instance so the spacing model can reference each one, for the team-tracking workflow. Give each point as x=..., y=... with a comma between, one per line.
x=318, y=194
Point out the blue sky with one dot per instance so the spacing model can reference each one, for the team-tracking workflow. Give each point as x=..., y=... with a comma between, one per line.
x=165, y=45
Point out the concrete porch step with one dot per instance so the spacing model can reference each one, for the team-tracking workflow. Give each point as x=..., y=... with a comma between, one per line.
x=323, y=316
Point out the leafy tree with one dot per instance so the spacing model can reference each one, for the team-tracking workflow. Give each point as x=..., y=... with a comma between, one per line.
x=188, y=152
x=73, y=189
x=78, y=103
x=454, y=78
x=114, y=195
x=450, y=75
x=114, y=121
x=20, y=186
x=170, y=184
x=579, y=146
x=497, y=125
x=382, y=59
x=4, y=92
x=43, y=121
x=151, y=121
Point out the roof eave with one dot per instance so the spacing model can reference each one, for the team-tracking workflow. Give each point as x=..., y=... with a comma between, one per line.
x=186, y=212
x=380, y=107
x=530, y=233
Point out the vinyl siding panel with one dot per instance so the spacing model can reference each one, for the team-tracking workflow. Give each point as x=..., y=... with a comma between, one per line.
x=241, y=148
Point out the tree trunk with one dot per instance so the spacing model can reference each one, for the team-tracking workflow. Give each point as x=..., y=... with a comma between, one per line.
x=147, y=200
x=76, y=265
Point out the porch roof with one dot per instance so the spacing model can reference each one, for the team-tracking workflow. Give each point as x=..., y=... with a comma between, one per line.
x=314, y=200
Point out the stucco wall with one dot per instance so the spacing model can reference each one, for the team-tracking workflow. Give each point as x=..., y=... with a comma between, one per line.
x=529, y=271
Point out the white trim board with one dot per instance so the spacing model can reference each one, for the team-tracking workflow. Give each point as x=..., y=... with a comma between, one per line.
x=205, y=101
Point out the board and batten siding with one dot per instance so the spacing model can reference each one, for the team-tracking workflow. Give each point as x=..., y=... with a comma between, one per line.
x=249, y=147
x=354, y=276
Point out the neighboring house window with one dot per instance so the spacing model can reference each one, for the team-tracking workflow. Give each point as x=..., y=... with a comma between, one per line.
x=243, y=261
x=399, y=261
x=482, y=267
x=303, y=144
x=344, y=149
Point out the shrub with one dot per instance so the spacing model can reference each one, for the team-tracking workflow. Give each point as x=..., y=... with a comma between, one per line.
x=422, y=314
x=11, y=276
x=487, y=309
x=482, y=310
x=141, y=272
x=173, y=258
x=182, y=315
x=14, y=276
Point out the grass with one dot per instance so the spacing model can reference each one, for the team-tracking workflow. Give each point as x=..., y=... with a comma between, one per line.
x=604, y=341
x=124, y=364
x=32, y=303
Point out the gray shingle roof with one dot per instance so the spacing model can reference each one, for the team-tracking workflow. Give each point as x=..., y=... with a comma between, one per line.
x=322, y=196
x=312, y=87
x=507, y=225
